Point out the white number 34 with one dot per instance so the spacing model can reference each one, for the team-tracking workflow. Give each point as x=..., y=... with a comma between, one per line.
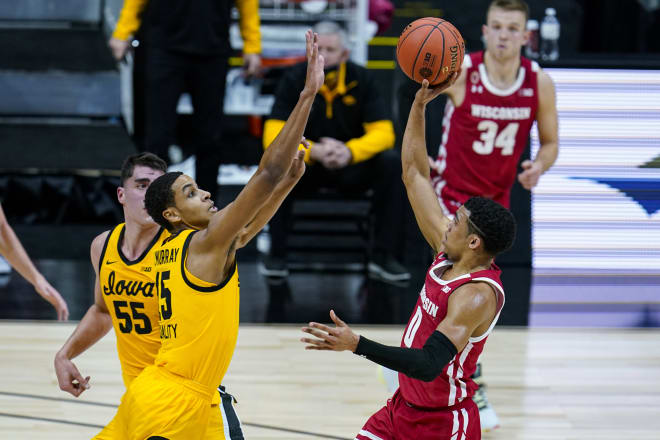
x=506, y=139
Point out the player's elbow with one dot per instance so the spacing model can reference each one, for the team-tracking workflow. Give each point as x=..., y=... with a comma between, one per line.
x=409, y=173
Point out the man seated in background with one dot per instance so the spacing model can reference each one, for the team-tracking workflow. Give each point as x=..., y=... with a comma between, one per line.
x=351, y=137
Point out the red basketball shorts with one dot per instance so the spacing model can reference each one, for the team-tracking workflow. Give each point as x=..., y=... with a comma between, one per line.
x=398, y=420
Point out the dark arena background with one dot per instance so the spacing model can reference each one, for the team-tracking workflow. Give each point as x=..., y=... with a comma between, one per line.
x=576, y=351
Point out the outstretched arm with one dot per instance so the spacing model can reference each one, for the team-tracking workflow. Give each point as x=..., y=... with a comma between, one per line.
x=416, y=171
x=210, y=247
x=12, y=249
x=280, y=193
x=95, y=324
x=470, y=308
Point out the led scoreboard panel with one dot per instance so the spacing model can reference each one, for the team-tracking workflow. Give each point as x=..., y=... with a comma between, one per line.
x=599, y=206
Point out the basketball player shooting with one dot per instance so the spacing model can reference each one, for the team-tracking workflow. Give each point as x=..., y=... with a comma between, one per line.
x=457, y=308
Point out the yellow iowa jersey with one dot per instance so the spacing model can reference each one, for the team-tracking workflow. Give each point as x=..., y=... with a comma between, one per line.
x=128, y=289
x=198, y=319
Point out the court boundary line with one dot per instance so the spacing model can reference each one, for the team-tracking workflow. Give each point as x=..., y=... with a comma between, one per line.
x=45, y=419
x=110, y=405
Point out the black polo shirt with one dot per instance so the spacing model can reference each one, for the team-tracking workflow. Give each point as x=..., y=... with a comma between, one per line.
x=362, y=102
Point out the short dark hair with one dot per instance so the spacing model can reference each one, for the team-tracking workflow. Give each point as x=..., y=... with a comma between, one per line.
x=492, y=222
x=148, y=160
x=509, y=5
x=160, y=196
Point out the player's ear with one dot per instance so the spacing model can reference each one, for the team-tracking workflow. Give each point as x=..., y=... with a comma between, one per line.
x=474, y=241
x=121, y=195
x=172, y=215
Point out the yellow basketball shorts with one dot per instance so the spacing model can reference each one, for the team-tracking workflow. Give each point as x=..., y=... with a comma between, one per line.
x=157, y=407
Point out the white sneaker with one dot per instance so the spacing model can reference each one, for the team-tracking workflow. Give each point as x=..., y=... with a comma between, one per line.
x=489, y=419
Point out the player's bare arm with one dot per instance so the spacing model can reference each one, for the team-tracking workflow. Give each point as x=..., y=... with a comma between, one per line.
x=548, y=128
x=471, y=309
x=280, y=193
x=94, y=325
x=12, y=249
x=416, y=171
x=217, y=240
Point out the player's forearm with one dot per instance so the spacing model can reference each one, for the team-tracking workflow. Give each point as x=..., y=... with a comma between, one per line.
x=414, y=158
x=423, y=364
x=93, y=326
x=547, y=155
x=12, y=249
x=267, y=211
x=277, y=158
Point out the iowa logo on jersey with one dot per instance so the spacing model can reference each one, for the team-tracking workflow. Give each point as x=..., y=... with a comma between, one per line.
x=113, y=286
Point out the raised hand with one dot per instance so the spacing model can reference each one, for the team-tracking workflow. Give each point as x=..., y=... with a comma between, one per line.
x=315, y=75
x=339, y=338
x=297, y=168
x=427, y=93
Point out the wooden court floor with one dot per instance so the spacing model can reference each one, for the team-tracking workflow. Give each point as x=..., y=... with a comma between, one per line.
x=544, y=384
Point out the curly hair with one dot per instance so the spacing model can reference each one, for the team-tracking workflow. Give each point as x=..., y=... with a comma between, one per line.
x=159, y=197
x=148, y=160
x=492, y=222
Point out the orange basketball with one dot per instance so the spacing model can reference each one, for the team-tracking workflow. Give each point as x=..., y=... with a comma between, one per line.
x=430, y=48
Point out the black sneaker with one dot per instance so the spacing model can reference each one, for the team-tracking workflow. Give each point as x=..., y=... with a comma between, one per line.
x=387, y=268
x=273, y=267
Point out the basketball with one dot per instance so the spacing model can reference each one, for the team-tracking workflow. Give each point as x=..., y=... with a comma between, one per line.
x=430, y=48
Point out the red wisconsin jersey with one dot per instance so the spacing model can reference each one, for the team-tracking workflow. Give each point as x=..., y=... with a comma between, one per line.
x=454, y=383
x=484, y=137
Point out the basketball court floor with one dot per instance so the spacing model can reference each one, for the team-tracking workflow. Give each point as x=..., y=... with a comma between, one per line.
x=546, y=384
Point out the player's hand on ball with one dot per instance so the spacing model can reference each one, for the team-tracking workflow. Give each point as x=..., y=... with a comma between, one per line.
x=339, y=338
x=427, y=94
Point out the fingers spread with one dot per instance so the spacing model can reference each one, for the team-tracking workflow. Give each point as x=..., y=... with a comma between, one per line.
x=336, y=319
x=322, y=327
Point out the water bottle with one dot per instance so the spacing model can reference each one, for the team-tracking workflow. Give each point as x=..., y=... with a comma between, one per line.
x=550, y=36
x=532, y=48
